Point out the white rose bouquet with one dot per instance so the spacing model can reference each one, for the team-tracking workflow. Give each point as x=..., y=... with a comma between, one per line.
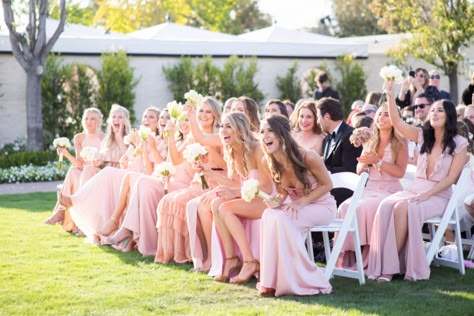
x=61, y=142
x=193, y=98
x=176, y=111
x=144, y=132
x=165, y=170
x=250, y=189
x=390, y=73
x=89, y=153
x=193, y=153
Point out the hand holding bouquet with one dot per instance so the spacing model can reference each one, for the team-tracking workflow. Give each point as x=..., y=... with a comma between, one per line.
x=192, y=154
x=165, y=170
x=390, y=74
x=193, y=98
x=61, y=142
x=176, y=111
x=360, y=136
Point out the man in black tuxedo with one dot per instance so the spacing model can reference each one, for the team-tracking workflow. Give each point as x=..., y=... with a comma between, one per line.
x=338, y=153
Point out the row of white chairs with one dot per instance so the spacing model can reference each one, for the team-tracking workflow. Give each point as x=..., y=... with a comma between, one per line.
x=438, y=226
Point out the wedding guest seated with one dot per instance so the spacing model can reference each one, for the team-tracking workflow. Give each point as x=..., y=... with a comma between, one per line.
x=249, y=107
x=396, y=244
x=275, y=106
x=385, y=157
x=307, y=131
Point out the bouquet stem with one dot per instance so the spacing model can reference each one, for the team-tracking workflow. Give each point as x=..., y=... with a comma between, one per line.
x=60, y=162
x=165, y=181
x=203, y=181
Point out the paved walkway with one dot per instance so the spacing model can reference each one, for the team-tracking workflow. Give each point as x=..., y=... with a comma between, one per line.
x=30, y=187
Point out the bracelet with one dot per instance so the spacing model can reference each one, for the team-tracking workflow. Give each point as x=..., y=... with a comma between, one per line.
x=379, y=164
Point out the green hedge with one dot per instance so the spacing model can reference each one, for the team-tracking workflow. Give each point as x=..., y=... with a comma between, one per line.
x=19, y=158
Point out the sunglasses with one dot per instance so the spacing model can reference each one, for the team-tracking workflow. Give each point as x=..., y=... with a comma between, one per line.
x=421, y=106
x=435, y=77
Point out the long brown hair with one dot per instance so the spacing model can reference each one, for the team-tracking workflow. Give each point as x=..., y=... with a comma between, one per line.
x=281, y=128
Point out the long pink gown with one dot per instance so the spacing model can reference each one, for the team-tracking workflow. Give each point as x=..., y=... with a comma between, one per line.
x=383, y=255
x=74, y=180
x=95, y=202
x=141, y=215
x=379, y=186
x=284, y=262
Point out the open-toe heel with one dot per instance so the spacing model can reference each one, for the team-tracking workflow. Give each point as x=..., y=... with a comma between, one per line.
x=57, y=217
x=225, y=277
x=244, y=279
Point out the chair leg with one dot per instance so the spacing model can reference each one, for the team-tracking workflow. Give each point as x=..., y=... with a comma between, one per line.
x=309, y=246
x=327, y=245
x=458, y=241
x=358, y=254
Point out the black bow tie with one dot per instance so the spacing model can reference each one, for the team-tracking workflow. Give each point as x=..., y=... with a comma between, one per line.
x=331, y=136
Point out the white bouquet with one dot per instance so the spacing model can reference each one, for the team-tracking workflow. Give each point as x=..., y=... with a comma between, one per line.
x=176, y=112
x=165, y=170
x=144, y=132
x=250, y=189
x=391, y=72
x=61, y=142
x=193, y=98
x=89, y=153
x=192, y=153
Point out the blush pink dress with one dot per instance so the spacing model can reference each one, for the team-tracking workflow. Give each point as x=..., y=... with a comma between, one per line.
x=379, y=186
x=94, y=203
x=383, y=255
x=75, y=179
x=284, y=262
x=141, y=215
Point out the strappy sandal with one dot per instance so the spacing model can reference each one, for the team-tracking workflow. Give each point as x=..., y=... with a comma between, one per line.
x=225, y=278
x=239, y=280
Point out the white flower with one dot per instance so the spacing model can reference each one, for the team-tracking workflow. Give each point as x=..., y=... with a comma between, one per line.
x=175, y=110
x=193, y=98
x=62, y=142
x=391, y=73
x=249, y=189
x=144, y=132
x=89, y=153
x=165, y=169
x=127, y=139
x=192, y=152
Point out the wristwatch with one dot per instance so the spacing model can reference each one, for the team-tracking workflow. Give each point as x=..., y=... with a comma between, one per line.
x=379, y=164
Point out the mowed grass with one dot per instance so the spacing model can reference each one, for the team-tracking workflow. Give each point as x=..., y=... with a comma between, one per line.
x=44, y=270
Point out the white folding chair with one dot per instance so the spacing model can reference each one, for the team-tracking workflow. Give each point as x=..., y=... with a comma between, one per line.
x=355, y=183
x=438, y=227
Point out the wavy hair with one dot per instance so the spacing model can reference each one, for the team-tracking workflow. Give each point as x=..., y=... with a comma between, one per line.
x=157, y=112
x=281, y=129
x=99, y=116
x=216, y=112
x=450, y=130
x=310, y=105
x=240, y=124
x=251, y=109
x=109, y=138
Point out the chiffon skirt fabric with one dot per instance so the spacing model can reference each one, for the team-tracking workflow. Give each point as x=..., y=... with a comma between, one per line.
x=284, y=264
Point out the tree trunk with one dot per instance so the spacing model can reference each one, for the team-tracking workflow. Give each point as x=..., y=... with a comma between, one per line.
x=453, y=84
x=34, y=110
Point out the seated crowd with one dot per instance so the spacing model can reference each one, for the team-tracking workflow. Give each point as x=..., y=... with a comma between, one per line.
x=197, y=212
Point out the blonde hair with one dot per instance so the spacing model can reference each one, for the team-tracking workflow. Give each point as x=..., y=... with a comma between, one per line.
x=215, y=110
x=109, y=138
x=99, y=116
x=157, y=112
x=395, y=138
x=240, y=124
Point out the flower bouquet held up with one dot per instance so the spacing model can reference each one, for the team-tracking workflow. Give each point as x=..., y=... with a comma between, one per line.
x=165, y=170
x=192, y=153
x=89, y=154
x=193, y=98
x=176, y=111
x=61, y=142
x=390, y=73
x=360, y=136
x=144, y=132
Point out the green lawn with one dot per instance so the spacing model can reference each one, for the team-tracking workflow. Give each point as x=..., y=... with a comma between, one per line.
x=44, y=270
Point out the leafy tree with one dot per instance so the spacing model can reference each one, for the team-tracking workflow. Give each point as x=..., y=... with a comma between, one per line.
x=289, y=85
x=351, y=87
x=75, y=13
x=31, y=49
x=116, y=83
x=180, y=77
x=358, y=20
x=439, y=34
x=206, y=77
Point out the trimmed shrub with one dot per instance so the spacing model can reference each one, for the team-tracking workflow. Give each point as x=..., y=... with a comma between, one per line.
x=289, y=85
x=352, y=84
x=180, y=77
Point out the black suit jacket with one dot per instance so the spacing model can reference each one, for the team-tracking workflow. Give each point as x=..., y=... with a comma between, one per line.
x=342, y=154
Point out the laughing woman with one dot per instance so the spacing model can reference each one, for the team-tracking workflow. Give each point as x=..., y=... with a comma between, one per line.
x=396, y=244
x=303, y=186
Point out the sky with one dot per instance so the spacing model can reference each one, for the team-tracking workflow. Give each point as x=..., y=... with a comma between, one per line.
x=296, y=14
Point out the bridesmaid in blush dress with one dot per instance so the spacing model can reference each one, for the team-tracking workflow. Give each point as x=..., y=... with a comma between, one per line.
x=90, y=137
x=387, y=155
x=396, y=244
x=173, y=236
x=303, y=200
x=307, y=131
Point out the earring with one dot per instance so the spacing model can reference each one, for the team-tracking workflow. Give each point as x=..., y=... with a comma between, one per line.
x=283, y=147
